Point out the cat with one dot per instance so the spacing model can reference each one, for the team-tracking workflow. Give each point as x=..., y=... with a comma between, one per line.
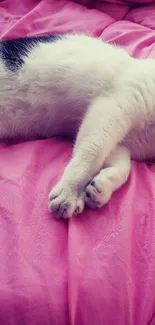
x=82, y=87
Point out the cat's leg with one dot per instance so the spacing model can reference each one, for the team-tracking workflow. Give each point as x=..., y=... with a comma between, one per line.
x=104, y=126
x=109, y=179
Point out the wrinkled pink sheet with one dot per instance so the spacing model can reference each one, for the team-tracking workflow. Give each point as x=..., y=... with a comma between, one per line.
x=98, y=269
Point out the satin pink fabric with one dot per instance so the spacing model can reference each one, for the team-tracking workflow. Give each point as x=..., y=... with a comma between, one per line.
x=98, y=268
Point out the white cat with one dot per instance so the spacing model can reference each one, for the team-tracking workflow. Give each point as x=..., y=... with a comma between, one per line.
x=75, y=84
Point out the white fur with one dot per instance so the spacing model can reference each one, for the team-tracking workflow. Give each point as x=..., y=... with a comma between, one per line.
x=81, y=84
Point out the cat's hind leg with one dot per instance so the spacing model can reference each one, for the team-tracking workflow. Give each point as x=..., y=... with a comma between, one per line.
x=109, y=179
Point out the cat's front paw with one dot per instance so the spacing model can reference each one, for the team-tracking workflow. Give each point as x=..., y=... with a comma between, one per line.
x=98, y=192
x=65, y=202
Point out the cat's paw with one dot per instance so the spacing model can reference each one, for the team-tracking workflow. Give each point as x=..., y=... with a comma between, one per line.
x=65, y=202
x=98, y=192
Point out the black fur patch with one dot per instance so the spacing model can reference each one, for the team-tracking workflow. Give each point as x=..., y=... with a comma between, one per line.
x=12, y=52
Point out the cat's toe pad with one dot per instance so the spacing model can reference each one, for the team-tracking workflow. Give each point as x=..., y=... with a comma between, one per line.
x=64, y=202
x=98, y=192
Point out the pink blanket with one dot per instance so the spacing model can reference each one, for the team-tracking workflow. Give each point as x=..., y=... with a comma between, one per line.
x=98, y=269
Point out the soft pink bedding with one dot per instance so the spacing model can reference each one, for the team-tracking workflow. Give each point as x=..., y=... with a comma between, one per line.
x=98, y=269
